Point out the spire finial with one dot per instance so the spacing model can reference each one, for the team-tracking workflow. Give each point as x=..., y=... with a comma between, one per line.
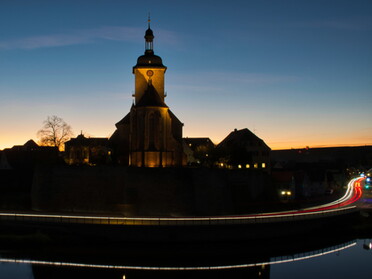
x=148, y=20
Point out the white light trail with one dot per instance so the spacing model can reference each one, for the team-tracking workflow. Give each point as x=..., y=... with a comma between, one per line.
x=337, y=206
x=175, y=268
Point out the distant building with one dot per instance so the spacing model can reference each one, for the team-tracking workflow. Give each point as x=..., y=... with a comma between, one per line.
x=243, y=150
x=359, y=157
x=28, y=155
x=150, y=135
x=90, y=151
x=198, y=150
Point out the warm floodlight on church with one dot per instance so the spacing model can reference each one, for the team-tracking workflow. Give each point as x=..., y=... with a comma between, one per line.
x=150, y=135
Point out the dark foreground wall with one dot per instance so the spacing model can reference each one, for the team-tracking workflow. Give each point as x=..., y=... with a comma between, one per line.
x=15, y=185
x=147, y=192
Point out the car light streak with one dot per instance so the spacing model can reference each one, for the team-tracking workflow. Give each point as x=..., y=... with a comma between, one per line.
x=345, y=203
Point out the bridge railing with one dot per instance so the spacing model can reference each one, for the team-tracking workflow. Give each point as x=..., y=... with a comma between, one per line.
x=177, y=221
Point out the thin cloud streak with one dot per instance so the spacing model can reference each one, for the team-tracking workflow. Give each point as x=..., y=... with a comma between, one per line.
x=213, y=80
x=257, y=78
x=86, y=36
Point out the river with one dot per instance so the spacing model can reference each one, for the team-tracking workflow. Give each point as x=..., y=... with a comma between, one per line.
x=300, y=257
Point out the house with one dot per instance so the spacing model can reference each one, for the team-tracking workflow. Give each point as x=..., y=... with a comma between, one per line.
x=28, y=155
x=242, y=149
x=90, y=151
x=198, y=150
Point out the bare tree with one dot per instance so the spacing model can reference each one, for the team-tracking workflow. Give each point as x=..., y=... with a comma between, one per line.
x=55, y=132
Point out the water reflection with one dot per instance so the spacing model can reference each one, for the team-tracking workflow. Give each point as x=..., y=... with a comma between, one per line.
x=233, y=260
x=46, y=272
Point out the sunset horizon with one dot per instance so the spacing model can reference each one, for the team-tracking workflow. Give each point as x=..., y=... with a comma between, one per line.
x=295, y=74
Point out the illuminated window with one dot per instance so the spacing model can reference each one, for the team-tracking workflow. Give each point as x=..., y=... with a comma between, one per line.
x=247, y=166
x=255, y=165
x=263, y=165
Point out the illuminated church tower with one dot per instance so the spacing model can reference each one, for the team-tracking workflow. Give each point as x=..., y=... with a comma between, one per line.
x=150, y=135
x=149, y=68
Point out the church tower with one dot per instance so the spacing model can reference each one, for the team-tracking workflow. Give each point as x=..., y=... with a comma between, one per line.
x=150, y=135
x=149, y=67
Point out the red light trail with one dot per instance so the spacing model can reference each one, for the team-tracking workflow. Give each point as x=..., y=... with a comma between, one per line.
x=352, y=195
x=341, y=206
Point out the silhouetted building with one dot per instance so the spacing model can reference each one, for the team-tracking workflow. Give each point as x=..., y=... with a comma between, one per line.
x=150, y=135
x=332, y=157
x=243, y=149
x=91, y=151
x=322, y=171
x=198, y=151
x=28, y=155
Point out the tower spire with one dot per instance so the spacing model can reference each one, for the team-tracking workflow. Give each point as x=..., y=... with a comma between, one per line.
x=149, y=37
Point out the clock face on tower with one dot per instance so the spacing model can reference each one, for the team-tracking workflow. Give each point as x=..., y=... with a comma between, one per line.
x=150, y=73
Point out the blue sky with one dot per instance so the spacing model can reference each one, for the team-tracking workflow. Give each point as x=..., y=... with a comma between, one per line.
x=297, y=73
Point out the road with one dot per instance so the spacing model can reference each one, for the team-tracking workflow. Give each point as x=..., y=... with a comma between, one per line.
x=344, y=205
x=352, y=195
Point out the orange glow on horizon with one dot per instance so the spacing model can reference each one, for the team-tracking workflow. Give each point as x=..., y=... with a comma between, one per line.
x=11, y=141
x=275, y=142
x=310, y=146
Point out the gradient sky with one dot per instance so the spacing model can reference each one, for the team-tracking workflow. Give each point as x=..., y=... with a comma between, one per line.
x=297, y=73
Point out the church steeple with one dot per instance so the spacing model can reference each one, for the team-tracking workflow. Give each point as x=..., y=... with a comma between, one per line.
x=149, y=37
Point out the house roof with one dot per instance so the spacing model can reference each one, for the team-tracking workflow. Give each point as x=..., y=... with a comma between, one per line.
x=30, y=144
x=82, y=140
x=243, y=137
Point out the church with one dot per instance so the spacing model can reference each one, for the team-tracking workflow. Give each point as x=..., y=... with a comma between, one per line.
x=146, y=168
x=150, y=135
